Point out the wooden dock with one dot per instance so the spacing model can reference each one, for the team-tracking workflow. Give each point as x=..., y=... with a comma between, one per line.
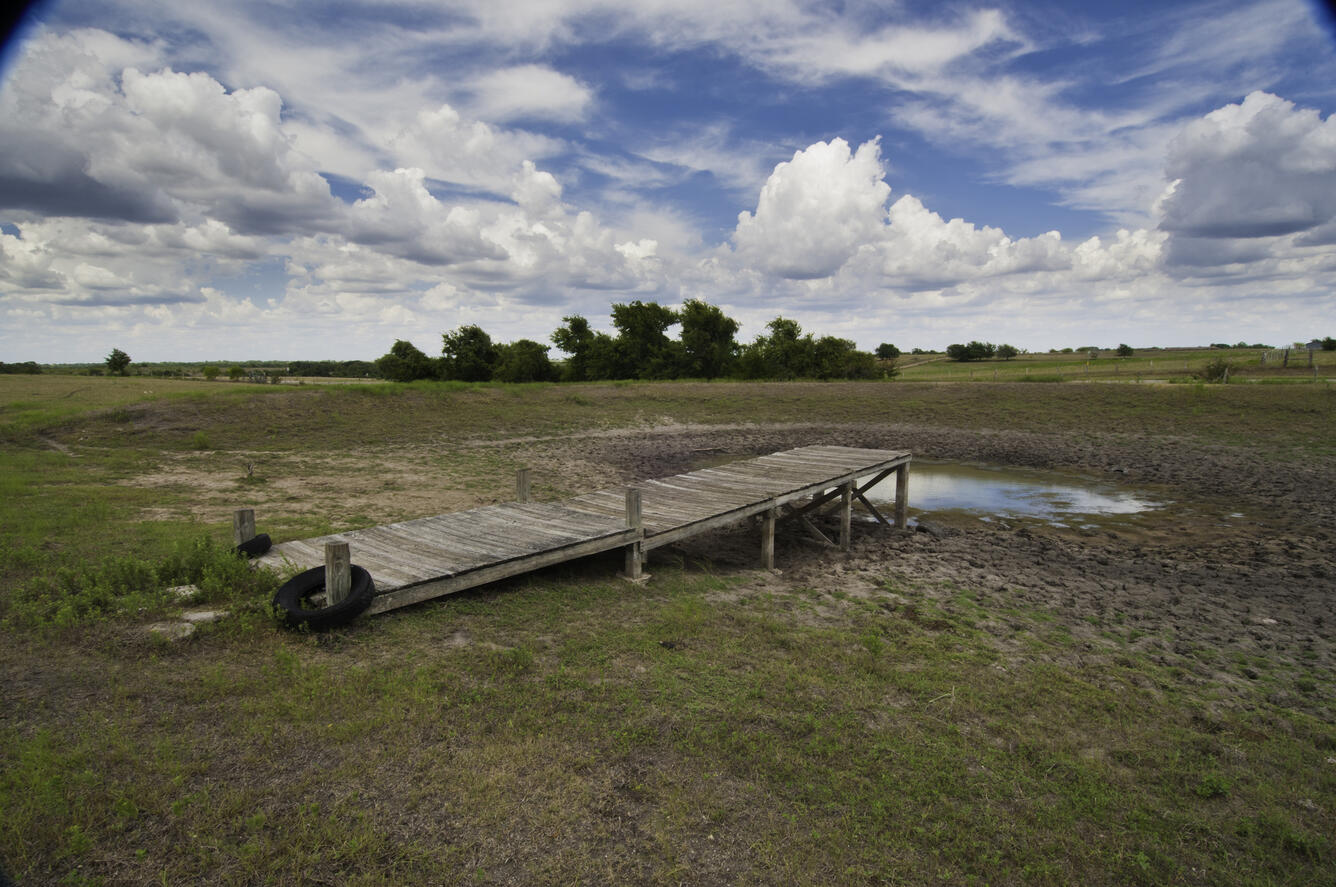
x=417, y=560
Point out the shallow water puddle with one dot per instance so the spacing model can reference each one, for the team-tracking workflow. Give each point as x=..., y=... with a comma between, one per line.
x=995, y=493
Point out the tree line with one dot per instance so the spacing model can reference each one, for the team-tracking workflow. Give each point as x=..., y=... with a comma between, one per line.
x=705, y=347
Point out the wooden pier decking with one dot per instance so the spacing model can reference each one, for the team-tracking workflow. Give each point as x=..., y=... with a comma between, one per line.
x=417, y=560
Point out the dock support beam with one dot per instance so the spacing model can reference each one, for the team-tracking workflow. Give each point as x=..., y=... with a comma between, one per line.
x=522, y=485
x=902, y=496
x=635, y=552
x=338, y=572
x=846, y=514
x=768, y=537
x=243, y=525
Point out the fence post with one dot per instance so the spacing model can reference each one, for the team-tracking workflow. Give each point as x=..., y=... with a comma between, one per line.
x=902, y=496
x=846, y=514
x=338, y=572
x=243, y=525
x=522, y=485
x=635, y=552
x=768, y=537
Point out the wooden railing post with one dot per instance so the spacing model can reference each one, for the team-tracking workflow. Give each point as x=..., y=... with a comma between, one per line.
x=768, y=537
x=635, y=552
x=338, y=572
x=902, y=496
x=846, y=514
x=522, y=485
x=243, y=525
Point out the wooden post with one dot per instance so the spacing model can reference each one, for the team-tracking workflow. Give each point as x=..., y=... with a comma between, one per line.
x=846, y=514
x=338, y=572
x=635, y=552
x=522, y=485
x=902, y=496
x=243, y=525
x=768, y=538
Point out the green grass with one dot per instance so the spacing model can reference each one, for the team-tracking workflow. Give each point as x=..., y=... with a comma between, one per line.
x=1172, y=365
x=334, y=418
x=875, y=744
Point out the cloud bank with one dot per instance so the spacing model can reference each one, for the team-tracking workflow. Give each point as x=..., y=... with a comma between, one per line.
x=341, y=196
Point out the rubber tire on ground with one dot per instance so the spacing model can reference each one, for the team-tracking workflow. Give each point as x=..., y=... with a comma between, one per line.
x=290, y=595
x=255, y=546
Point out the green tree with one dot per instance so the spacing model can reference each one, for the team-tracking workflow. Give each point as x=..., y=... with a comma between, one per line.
x=1125, y=350
x=405, y=363
x=644, y=349
x=235, y=373
x=593, y=355
x=1007, y=352
x=887, y=351
x=836, y=358
x=524, y=360
x=975, y=350
x=784, y=354
x=576, y=339
x=707, y=340
x=1328, y=344
x=211, y=373
x=467, y=354
x=117, y=362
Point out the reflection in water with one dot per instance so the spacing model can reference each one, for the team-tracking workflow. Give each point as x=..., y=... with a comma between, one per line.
x=991, y=492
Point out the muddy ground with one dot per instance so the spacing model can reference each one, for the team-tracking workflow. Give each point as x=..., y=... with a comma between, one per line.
x=1189, y=590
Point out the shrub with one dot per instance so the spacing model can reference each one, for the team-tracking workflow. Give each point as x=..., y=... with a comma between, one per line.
x=118, y=362
x=122, y=586
x=1216, y=370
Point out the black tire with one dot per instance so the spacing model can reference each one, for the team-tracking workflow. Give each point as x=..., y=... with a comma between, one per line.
x=255, y=546
x=291, y=597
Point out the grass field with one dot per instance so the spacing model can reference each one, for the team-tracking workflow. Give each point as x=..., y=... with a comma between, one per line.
x=1165, y=365
x=719, y=726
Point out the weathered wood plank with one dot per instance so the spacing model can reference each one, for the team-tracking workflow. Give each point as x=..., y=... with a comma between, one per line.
x=425, y=591
x=426, y=557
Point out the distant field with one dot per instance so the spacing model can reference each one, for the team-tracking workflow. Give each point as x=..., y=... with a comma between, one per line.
x=1166, y=365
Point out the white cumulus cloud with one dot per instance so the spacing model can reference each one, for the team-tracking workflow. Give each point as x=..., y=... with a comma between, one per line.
x=815, y=211
x=1260, y=168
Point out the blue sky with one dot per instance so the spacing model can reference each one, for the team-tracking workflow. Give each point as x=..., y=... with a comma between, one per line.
x=316, y=180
